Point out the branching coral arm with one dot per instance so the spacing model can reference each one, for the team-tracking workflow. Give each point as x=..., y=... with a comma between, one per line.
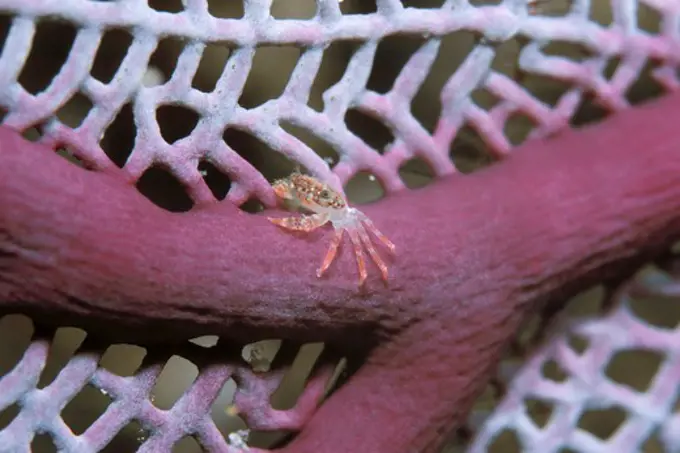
x=85, y=249
x=555, y=218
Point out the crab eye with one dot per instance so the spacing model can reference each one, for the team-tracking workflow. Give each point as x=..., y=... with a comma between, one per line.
x=325, y=194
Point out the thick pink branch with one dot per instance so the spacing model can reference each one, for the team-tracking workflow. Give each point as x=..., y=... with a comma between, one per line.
x=558, y=216
x=475, y=253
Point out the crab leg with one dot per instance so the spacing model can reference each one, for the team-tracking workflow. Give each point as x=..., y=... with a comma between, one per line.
x=377, y=233
x=373, y=253
x=332, y=251
x=304, y=223
x=361, y=262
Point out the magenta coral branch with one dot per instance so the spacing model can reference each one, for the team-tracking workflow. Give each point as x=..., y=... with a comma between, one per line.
x=475, y=254
x=558, y=216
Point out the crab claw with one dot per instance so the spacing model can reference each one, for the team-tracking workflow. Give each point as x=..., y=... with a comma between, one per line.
x=283, y=189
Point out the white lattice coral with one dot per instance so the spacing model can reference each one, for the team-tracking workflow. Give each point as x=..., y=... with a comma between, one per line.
x=219, y=109
x=649, y=415
x=132, y=400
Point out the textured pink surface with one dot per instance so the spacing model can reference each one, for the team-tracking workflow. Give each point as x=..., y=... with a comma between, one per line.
x=488, y=247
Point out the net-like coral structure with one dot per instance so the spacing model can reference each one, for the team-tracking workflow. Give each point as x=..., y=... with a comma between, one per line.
x=594, y=61
x=600, y=383
x=219, y=109
x=131, y=399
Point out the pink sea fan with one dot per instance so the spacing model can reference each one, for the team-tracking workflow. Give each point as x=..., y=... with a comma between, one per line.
x=479, y=254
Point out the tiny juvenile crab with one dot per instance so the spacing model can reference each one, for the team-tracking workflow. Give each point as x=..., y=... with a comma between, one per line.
x=328, y=205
